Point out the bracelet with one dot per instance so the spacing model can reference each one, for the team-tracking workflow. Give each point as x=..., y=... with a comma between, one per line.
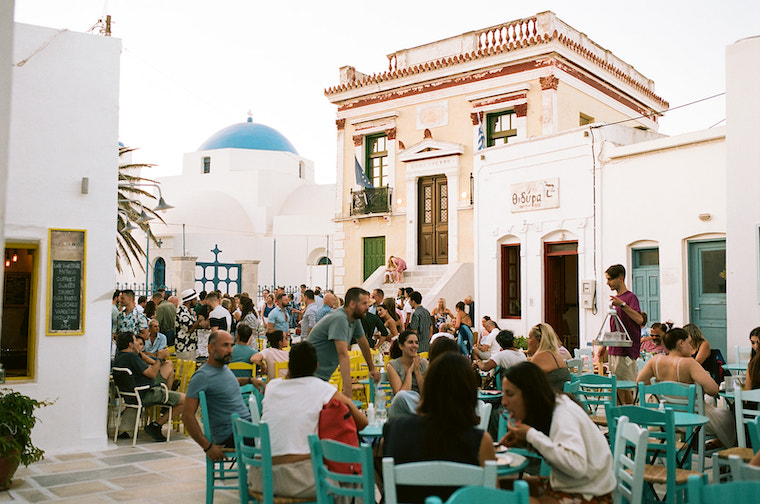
x=210, y=444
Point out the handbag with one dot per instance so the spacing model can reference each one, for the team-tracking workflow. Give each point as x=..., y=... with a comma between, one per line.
x=336, y=423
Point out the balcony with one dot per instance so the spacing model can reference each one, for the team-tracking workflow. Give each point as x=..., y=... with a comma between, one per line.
x=371, y=200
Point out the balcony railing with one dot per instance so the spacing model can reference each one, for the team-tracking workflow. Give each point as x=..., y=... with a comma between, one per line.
x=371, y=200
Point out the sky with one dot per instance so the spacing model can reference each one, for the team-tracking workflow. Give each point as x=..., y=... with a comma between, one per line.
x=190, y=68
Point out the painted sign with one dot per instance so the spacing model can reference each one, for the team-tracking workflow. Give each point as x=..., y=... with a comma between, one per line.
x=535, y=195
x=66, y=281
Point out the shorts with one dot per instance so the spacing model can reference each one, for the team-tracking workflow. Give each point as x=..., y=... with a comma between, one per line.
x=289, y=480
x=623, y=367
x=156, y=394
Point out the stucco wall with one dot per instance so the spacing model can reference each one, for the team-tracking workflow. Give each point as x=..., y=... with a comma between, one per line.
x=64, y=126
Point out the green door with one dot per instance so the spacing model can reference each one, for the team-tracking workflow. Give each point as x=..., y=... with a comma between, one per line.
x=374, y=254
x=646, y=281
x=707, y=290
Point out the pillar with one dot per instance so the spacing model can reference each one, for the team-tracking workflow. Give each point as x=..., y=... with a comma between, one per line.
x=183, y=273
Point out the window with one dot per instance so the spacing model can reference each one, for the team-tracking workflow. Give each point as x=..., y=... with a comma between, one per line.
x=18, y=329
x=206, y=165
x=300, y=169
x=324, y=261
x=584, y=120
x=501, y=126
x=510, y=281
x=377, y=160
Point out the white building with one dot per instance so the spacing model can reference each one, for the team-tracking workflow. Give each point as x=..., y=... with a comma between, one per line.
x=552, y=213
x=63, y=89
x=247, y=191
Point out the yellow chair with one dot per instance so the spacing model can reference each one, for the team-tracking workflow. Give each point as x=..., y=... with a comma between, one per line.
x=242, y=366
x=360, y=391
x=424, y=355
x=281, y=369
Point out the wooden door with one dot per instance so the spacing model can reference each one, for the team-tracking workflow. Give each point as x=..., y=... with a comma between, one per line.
x=707, y=290
x=433, y=219
x=561, y=291
x=646, y=281
x=374, y=254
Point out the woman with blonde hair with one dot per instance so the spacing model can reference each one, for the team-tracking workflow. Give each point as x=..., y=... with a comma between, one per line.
x=441, y=314
x=543, y=346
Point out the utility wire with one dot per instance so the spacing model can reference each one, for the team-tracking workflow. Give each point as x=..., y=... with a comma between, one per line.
x=662, y=112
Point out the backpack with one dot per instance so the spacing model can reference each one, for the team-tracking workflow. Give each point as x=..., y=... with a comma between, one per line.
x=336, y=423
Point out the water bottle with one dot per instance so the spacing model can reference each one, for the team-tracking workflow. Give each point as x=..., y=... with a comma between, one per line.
x=371, y=414
x=662, y=405
x=253, y=405
x=380, y=412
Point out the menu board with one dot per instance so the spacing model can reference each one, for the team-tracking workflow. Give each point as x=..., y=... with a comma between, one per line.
x=66, y=275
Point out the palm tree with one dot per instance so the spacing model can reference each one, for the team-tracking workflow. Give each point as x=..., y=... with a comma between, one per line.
x=132, y=214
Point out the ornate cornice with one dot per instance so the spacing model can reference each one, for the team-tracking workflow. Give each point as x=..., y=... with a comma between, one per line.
x=548, y=82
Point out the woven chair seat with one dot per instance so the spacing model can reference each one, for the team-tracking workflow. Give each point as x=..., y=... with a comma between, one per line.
x=279, y=500
x=659, y=474
x=600, y=420
x=745, y=453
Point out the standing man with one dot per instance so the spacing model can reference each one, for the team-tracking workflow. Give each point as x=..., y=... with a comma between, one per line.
x=407, y=308
x=421, y=321
x=166, y=314
x=469, y=307
x=129, y=320
x=309, y=319
x=377, y=299
x=223, y=397
x=278, y=318
x=219, y=318
x=332, y=335
x=623, y=359
x=327, y=305
x=187, y=322
x=114, y=316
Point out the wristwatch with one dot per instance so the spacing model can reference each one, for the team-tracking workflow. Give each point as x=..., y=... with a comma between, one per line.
x=623, y=305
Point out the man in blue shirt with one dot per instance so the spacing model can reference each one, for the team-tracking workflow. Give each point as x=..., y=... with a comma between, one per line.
x=222, y=391
x=278, y=318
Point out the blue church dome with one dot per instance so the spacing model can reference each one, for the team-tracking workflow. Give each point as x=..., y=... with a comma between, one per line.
x=248, y=135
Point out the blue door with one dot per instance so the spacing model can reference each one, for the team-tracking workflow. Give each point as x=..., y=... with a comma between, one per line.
x=646, y=281
x=707, y=290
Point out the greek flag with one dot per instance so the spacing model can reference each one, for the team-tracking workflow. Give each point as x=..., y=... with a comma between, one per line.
x=361, y=178
x=481, y=137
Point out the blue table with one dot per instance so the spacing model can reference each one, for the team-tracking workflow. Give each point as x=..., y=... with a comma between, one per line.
x=490, y=395
x=374, y=430
x=517, y=464
x=735, y=367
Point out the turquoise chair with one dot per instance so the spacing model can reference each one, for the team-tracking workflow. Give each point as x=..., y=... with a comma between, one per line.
x=470, y=494
x=329, y=482
x=259, y=456
x=742, y=471
x=435, y=473
x=217, y=471
x=629, y=472
x=502, y=431
x=722, y=458
x=597, y=390
x=661, y=444
x=247, y=390
x=678, y=397
x=737, y=491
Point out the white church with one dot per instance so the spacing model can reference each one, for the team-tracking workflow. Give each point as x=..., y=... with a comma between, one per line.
x=247, y=213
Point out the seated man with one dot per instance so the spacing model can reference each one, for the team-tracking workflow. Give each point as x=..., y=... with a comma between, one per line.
x=508, y=356
x=242, y=351
x=274, y=353
x=148, y=370
x=223, y=395
x=154, y=343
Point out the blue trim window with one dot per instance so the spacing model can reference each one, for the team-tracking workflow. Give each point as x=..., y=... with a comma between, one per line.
x=207, y=164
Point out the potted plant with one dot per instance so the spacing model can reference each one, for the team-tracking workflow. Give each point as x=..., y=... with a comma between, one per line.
x=16, y=422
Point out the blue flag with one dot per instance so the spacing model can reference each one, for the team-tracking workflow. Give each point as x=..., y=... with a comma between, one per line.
x=481, y=137
x=361, y=178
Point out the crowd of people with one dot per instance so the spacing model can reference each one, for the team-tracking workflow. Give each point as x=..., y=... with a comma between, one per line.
x=436, y=363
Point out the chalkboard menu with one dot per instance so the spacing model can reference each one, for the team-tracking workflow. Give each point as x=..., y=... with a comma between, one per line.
x=66, y=274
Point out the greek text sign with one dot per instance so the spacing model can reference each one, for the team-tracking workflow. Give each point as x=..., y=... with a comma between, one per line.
x=535, y=195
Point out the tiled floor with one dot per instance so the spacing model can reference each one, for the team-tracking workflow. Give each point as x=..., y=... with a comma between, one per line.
x=150, y=472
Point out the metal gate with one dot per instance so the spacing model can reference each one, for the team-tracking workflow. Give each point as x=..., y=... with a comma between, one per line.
x=217, y=275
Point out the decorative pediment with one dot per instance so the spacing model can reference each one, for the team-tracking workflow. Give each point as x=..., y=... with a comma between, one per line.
x=429, y=148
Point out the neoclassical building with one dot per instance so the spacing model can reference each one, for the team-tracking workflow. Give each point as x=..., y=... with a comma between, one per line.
x=408, y=138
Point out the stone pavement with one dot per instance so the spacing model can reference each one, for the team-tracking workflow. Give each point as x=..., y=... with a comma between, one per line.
x=148, y=473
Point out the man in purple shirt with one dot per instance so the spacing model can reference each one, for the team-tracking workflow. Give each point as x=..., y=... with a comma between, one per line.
x=623, y=359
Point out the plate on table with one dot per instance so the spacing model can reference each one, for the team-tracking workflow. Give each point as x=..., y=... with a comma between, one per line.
x=500, y=448
x=503, y=459
x=491, y=392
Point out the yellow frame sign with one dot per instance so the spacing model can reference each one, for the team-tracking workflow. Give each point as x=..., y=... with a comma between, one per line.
x=66, y=282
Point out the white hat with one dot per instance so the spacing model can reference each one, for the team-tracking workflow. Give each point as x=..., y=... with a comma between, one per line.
x=188, y=295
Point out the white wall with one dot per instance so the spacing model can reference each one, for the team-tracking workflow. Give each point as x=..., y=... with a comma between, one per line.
x=743, y=181
x=64, y=126
x=6, y=53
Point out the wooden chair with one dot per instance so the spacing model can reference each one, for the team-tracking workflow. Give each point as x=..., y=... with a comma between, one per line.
x=744, y=416
x=242, y=369
x=737, y=491
x=662, y=441
x=586, y=355
x=742, y=471
x=679, y=397
x=281, y=369
x=330, y=483
x=129, y=396
x=217, y=471
x=597, y=390
x=520, y=494
x=483, y=410
x=435, y=473
x=258, y=456
x=575, y=366
x=629, y=472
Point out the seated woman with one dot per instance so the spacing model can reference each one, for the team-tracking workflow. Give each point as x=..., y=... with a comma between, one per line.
x=679, y=366
x=702, y=351
x=543, y=347
x=509, y=355
x=390, y=271
x=444, y=429
x=399, y=268
x=753, y=368
x=291, y=408
x=273, y=353
x=405, y=375
x=562, y=432
x=441, y=314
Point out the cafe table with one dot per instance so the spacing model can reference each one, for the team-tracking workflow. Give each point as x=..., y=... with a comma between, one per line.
x=489, y=395
x=373, y=430
x=689, y=420
x=509, y=462
x=739, y=367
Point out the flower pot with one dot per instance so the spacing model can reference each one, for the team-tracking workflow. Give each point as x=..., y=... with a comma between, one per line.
x=8, y=466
